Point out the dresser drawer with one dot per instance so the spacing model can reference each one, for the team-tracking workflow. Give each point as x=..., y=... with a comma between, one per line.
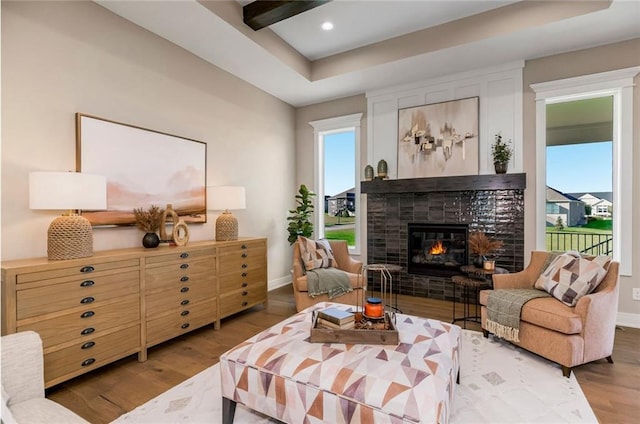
x=90, y=354
x=251, y=259
x=237, y=301
x=171, y=275
x=180, y=321
x=180, y=296
x=180, y=255
x=241, y=279
x=98, y=318
x=72, y=292
x=87, y=270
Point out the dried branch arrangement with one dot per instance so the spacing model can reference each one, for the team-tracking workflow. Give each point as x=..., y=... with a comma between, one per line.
x=150, y=220
x=482, y=245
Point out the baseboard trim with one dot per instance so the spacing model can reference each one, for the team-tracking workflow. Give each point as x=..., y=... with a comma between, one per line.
x=279, y=282
x=626, y=319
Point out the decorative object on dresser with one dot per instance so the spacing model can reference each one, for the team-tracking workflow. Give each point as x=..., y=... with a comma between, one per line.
x=439, y=140
x=501, y=152
x=142, y=167
x=149, y=221
x=482, y=246
x=90, y=313
x=70, y=236
x=223, y=198
x=168, y=213
x=300, y=218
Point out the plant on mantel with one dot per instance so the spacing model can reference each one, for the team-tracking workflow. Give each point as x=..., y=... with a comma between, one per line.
x=501, y=152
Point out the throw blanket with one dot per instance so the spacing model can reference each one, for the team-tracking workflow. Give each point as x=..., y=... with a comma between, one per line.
x=332, y=281
x=503, y=311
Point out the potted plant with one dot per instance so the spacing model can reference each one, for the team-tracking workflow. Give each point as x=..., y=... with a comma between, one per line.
x=481, y=246
x=502, y=153
x=300, y=220
x=149, y=221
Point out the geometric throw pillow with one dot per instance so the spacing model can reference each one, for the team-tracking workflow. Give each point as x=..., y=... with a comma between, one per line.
x=568, y=277
x=316, y=254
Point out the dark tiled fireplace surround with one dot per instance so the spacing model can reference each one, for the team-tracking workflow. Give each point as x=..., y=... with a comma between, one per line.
x=490, y=203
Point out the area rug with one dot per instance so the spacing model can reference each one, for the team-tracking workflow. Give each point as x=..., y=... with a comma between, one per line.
x=499, y=383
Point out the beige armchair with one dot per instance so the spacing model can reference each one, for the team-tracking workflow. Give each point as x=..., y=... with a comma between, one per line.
x=569, y=336
x=345, y=262
x=23, y=399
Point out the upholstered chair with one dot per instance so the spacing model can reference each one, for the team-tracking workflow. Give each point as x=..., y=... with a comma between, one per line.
x=23, y=399
x=352, y=267
x=569, y=336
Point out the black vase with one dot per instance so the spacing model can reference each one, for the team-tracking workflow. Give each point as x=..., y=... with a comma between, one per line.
x=150, y=240
x=501, y=167
x=478, y=262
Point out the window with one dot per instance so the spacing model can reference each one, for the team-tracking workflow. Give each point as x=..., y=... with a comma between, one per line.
x=553, y=208
x=337, y=187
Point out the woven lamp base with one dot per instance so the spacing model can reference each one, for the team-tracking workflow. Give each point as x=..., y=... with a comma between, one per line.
x=70, y=237
x=226, y=227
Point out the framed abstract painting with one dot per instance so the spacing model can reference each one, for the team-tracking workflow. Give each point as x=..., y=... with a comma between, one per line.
x=439, y=140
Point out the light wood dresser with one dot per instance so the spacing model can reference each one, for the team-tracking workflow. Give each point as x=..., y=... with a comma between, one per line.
x=90, y=312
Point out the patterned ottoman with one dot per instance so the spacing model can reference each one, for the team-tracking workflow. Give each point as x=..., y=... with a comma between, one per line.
x=280, y=373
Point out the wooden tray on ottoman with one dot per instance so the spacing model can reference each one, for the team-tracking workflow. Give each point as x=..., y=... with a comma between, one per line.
x=321, y=334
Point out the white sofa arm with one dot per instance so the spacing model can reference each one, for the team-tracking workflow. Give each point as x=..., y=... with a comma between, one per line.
x=22, y=366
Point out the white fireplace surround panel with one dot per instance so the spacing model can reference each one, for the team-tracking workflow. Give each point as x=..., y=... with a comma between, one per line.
x=499, y=89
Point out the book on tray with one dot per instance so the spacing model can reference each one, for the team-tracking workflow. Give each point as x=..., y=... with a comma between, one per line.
x=336, y=316
x=328, y=324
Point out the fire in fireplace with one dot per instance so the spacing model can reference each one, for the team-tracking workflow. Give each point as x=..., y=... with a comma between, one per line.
x=437, y=249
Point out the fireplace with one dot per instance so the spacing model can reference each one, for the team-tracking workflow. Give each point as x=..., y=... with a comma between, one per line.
x=437, y=249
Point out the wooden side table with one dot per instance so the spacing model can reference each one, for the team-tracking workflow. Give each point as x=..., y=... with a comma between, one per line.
x=475, y=279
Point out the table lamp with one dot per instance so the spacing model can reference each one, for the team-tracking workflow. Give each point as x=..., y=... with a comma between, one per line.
x=224, y=198
x=70, y=236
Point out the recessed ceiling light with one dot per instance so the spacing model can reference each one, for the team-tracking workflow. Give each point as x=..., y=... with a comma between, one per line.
x=327, y=26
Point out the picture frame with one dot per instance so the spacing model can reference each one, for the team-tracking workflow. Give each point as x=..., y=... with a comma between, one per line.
x=439, y=139
x=143, y=168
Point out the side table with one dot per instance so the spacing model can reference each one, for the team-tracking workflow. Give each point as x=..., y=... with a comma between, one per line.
x=386, y=282
x=475, y=279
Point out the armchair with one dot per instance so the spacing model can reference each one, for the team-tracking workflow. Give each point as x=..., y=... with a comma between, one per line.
x=569, y=336
x=344, y=262
x=23, y=383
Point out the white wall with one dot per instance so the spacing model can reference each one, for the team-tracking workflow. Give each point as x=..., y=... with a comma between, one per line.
x=59, y=58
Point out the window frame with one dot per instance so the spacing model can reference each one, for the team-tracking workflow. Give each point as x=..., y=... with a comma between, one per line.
x=320, y=129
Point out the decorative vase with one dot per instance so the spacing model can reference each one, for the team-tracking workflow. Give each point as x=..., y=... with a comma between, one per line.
x=382, y=168
x=501, y=167
x=150, y=240
x=478, y=262
x=368, y=173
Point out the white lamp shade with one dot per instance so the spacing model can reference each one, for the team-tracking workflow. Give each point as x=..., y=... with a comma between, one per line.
x=220, y=198
x=67, y=191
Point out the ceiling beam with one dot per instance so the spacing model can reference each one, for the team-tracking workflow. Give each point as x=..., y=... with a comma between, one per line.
x=262, y=13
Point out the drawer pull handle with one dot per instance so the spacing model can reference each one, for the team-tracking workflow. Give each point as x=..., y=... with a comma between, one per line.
x=244, y=246
x=244, y=255
x=88, y=345
x=184, y=289
x=245, y=303
x=87, y=269
x=87, y=283
x=245, y=284
x=88, y=299
x=244, y=274
x=87, y=314
x=183, y=279
x=184, y=255
x=244, y=293
x=87, y=330
x=184, y=302
x=184, y=313
x=185, y=325
x=184, y=266
x=244, y=265
x=88, y=362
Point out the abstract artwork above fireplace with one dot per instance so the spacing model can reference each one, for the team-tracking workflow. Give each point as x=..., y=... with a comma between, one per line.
x=439, y=139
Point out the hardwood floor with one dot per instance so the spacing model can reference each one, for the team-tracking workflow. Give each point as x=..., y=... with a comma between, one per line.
x=101, y=396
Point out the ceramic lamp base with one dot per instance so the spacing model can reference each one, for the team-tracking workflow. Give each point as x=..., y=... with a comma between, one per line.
x=69, y=237
x=226, y=227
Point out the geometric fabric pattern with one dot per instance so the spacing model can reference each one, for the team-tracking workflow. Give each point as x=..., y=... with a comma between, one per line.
x=316, y=254
x=280, y=373
x=570, y=277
